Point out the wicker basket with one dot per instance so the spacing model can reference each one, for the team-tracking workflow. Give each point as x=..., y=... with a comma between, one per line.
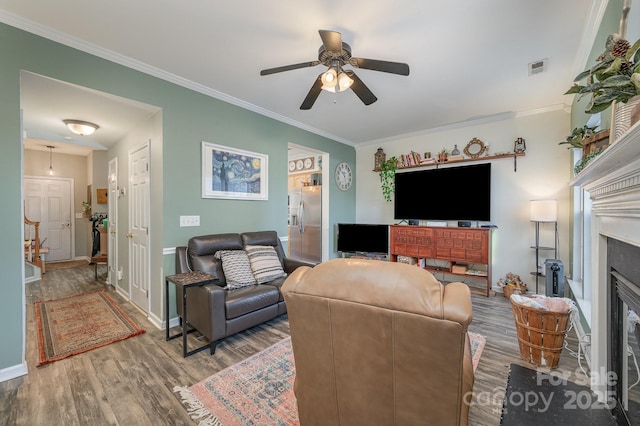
x=508, y=290
x=540, y=334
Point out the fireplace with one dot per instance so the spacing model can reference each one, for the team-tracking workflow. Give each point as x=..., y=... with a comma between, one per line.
x=612, y=181
x=623, y=264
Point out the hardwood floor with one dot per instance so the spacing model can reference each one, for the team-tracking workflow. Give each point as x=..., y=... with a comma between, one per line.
x=131, y=382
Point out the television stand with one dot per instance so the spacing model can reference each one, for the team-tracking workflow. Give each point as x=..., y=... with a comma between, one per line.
x=467, y=251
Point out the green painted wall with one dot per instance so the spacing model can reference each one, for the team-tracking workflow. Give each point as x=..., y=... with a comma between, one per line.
x=610, y=25
x=188, y=118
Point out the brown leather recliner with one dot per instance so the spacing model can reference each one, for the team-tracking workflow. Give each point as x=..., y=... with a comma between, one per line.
x=379, y=343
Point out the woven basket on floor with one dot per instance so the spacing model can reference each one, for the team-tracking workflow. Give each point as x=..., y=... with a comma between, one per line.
x=540, y=334
x=508, y=290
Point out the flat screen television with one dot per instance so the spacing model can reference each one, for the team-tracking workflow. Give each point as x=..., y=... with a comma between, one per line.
x=363, y=238
x=448, y=193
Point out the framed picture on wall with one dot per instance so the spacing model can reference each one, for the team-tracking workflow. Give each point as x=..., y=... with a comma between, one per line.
x=234, y=173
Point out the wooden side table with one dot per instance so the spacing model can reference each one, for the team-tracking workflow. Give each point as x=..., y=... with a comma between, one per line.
x=182, y=283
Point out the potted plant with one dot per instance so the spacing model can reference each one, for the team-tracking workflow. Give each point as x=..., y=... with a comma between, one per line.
x=442, y=155
x=387, y=177
x=578, y=135
x=614, y=77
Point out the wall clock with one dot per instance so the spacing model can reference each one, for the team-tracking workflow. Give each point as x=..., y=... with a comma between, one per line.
x=343, y=176
x=308, y=163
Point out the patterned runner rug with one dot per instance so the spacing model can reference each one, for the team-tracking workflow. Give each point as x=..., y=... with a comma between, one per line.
x=77, y=324
x=258, y=390
x=54, y=266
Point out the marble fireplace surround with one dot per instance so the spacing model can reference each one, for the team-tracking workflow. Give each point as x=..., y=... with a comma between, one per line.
x=613, y=183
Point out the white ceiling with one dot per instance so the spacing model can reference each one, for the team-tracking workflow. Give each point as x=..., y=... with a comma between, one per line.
x=468, y=59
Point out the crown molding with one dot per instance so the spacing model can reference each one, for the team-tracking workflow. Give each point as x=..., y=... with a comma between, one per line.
x=67, y=40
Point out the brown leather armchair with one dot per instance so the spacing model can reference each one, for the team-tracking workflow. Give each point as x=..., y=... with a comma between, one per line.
x=379, y=343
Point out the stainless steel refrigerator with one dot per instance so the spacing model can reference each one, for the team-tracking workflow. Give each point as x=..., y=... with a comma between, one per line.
x=305, y=223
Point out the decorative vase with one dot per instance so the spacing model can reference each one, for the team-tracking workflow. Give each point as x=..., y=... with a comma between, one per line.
x=621, y=117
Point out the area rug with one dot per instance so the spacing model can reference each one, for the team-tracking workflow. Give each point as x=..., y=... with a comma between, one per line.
x=537, y=398
x=78, y=324
x=258, y=390
x=54, y=266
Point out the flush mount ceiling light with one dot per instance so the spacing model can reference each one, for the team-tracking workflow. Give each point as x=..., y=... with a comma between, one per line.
x=82, y=128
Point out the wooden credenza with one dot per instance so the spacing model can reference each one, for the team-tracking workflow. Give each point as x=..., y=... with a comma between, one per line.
x=466, y=250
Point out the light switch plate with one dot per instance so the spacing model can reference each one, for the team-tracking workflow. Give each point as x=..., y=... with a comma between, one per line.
x=189, y=220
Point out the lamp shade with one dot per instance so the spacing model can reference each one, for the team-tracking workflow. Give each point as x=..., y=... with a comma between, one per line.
x=544, y=210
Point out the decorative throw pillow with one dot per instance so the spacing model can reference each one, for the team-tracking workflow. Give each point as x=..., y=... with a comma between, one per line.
x=265, y=263
x=236, y=267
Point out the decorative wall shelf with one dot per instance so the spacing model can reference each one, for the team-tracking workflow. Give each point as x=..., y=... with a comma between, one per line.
x=467, y=160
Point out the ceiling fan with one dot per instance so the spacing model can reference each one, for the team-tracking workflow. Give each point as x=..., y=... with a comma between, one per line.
x=335, y=54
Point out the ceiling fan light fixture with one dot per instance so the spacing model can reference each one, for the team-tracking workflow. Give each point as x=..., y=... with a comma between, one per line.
x=331, y=89
x=329, y=78
x=344, y=81
x=82, y=128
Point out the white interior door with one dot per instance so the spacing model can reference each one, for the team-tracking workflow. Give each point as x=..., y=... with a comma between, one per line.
x=113, y=222
x=48, y=201
x=139, y=226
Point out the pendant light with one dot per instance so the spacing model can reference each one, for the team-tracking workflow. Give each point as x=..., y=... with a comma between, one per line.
x=50, y=159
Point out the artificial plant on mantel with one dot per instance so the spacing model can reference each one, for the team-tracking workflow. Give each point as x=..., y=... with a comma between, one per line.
x=387, y=177
x=578, y=135
x=614, y=77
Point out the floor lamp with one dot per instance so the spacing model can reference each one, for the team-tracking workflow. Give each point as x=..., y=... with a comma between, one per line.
x=544, y=211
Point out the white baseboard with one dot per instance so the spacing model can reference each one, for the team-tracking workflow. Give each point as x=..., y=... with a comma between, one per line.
x=13, y=372
x=155, y=320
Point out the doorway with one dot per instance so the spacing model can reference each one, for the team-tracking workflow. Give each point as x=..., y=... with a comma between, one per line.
x=305, y=168
x=87, y=161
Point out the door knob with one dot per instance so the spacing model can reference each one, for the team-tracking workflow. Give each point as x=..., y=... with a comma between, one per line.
x=129, y=235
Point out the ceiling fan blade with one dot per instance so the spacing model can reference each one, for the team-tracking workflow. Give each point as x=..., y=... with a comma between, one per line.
x=289, y=67
x=313, y=94
x=361, y=90
x=331, y=40
x=384, y=66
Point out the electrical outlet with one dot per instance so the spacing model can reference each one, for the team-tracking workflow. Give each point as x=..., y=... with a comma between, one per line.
x=189, y=220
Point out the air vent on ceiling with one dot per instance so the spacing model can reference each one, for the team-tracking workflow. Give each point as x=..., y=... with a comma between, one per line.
x=537, y=67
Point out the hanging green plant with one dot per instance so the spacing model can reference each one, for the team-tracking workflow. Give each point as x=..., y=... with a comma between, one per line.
x=583, y=163
x=387, y=177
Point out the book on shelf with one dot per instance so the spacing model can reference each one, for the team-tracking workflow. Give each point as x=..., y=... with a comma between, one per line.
x=427, y=161
x=455, y=157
